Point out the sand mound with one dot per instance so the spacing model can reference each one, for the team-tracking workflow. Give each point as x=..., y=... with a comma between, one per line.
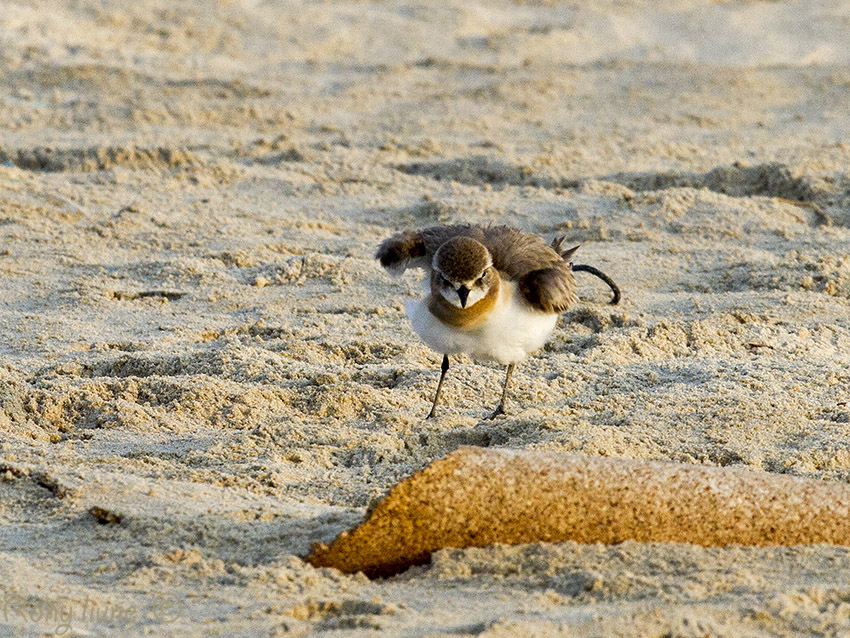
x=477, y=497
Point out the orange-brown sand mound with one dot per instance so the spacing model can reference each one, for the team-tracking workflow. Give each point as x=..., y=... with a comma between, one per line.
x=476, y=497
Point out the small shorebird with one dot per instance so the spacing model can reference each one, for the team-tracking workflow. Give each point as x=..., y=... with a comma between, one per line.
x=494, y=292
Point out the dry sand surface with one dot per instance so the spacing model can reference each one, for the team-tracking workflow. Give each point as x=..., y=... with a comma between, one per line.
x=203, y=371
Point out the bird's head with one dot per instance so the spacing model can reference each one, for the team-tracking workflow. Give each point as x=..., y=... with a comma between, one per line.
x=463, y=271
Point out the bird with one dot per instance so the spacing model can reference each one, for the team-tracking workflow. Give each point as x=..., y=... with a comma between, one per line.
x=493, y=292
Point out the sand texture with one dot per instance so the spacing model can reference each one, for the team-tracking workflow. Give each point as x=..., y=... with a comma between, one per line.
x=477, y=497
x=203, y=371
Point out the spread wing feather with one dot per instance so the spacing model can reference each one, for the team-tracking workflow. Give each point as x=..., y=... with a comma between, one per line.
x=544, y=279
x=415, y=249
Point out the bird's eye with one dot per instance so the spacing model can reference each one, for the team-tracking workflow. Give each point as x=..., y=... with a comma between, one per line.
x=481, y=278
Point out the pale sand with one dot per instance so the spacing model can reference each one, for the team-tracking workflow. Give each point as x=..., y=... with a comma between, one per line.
x=198, y=347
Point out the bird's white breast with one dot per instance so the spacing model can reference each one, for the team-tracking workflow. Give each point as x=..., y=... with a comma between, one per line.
x=510, y=331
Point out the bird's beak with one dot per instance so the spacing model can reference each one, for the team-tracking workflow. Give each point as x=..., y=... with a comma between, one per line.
x=463, y=293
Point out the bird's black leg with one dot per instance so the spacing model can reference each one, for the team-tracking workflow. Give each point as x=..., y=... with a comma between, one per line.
x=501, y=409
x=443, y=369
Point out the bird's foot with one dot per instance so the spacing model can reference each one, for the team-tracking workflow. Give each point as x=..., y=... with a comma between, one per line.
x=497, y=412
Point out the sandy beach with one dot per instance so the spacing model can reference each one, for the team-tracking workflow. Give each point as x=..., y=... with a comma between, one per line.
x=203, y=370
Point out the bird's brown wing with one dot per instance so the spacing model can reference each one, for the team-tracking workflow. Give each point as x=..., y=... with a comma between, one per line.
x=415, y=249
x=551, y=290
x=544, y=279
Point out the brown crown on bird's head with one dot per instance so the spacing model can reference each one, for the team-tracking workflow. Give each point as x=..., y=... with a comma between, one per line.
x=462, y=259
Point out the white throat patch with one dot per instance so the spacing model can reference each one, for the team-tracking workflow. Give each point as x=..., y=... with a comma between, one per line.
x=475, y=295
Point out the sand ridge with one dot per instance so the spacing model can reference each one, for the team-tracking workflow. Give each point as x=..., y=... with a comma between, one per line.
x=476, y=497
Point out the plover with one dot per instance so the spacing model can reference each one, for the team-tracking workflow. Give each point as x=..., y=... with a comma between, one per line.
x=493, y=292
